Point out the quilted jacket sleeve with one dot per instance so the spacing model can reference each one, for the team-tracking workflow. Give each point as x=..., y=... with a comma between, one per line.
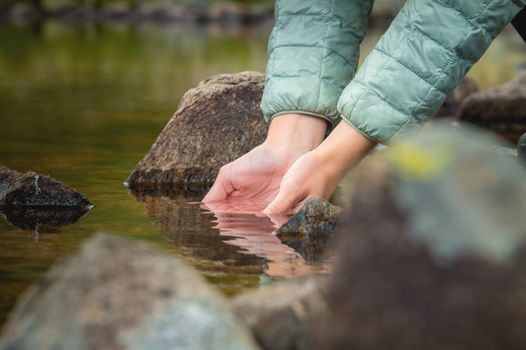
x=313, y=54
x=422, y=57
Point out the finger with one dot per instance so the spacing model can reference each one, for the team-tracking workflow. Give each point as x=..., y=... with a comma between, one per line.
x=222, y=187
x=285, y=202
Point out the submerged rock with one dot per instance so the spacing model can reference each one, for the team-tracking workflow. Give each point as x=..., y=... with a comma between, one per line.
x=501, y=109
x=430, y=258
x=310, y=231
x=287, y=315
x=217, y=122
x=118, y=294
x=33, y=190
x=316, y=217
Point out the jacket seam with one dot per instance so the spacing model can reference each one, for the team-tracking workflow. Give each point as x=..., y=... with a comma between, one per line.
x=331, y=15
x=315, y=46
x=409, y=69
x=394, y=107
x=472, y=24
x=451, y=60
x=360, y=97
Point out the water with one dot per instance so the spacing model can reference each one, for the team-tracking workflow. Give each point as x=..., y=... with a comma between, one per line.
x=84, y=103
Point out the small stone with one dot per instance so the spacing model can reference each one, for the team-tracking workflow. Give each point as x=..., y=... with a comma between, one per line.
x=316, y=217
x=310, y=231
x=119, y=294
x=33, y=190
x=217, y=122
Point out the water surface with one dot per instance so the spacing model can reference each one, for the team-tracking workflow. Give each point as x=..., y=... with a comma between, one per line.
x=83, y=103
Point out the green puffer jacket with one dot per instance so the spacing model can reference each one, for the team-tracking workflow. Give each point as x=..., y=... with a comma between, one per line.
x=430, y=46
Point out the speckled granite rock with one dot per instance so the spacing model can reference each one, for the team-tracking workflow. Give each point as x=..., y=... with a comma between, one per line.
x=433, y=251
x=287, y=315
x=310, y=231
x=316, y=217
x=32, y=190
x=217, y=122
x=501, y=109
x=119, y=294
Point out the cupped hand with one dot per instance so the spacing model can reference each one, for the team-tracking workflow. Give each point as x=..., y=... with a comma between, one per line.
x=317, y=173
x=254, y=179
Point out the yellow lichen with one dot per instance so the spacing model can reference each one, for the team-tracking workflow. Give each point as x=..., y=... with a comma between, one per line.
x=420, y=163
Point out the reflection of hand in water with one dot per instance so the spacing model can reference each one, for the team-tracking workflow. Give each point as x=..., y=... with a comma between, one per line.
x=254, y=233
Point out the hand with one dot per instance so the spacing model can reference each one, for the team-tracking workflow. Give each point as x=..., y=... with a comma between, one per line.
x=254, y=178
x=317, y=173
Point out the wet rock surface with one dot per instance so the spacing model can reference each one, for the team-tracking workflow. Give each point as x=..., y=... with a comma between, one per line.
x=36, y=202
x=217, y=122
x=287, y=315
x=429, y=255
x=118, y=294
x=33, y=190
x=316, y=217
x=501, y=109
x=310, y=231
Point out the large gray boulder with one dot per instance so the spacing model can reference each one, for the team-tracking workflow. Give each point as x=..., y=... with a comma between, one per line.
x=501, y=109
x=118, y=294
x=217, y=122
x=433, y=251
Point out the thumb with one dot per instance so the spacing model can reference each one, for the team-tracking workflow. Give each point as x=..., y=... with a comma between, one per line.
x=222, y=187
x=284, y=203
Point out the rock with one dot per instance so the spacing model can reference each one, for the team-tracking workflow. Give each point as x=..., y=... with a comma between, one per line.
x=430, y=258
x=287, y=315
x=33, y=190
x=311, y=229
x=316, y=217
x=118, y=294
x=451, y=105
x=217, y=122
x=501, y=109
x=8, y=178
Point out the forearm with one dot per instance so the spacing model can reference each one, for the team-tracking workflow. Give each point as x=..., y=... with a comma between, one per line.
x=343, y=150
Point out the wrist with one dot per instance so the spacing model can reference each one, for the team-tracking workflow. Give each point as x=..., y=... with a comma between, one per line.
x=343, y=150
x=295, y=134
